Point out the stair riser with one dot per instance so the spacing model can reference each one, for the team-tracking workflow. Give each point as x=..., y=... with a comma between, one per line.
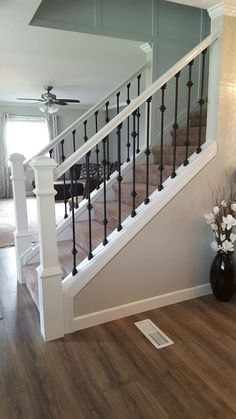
x=195, y=122
x=154, y=175
x=168, y=155
x=112, y=215
x=193, y=139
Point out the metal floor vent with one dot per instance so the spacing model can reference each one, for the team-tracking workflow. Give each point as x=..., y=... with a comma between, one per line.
x=153, y=333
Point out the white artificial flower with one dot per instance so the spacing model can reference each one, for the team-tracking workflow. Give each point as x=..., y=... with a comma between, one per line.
x=222, y=237
x=214, y=226
x=227, y=246
x=233, y=206
x=229, y=221
x=210, y=218
x=223, y=226
x=216, y=210
x=223, y=203
x=215, y=246
x=232, y=237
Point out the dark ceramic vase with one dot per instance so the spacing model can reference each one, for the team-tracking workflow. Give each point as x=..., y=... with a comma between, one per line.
x=222, y=276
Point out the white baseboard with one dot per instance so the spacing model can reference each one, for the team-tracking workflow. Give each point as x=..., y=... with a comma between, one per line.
x=118, y=312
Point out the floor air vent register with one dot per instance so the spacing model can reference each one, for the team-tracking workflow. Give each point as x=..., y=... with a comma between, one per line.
x=154, y=334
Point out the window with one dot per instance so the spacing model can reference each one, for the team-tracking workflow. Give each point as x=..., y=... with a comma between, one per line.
x=26, y=135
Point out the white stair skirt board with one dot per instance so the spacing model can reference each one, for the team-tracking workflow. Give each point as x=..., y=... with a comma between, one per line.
x=153, y=334
x=118, y=312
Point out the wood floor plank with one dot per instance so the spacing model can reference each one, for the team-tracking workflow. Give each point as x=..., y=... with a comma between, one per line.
x=112, y=371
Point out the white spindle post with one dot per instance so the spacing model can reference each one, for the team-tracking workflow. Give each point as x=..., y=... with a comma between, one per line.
x=49, y=271
x=216, y=15
x=22, y=237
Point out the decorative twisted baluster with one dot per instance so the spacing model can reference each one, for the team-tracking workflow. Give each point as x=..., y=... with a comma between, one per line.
x=128, y=128
x=138, y=115
x=74, y=250
x=89, y=205
x=189, y=85
x=64, y=179
x=201, y=101
x=119, y=177
x=105, y=222
x=75, y=172
x=85, y=131
x=147, y=151
x=97, y=151
x=175, y=125
x=134, y=193
x=162, y=109
x=50, y=153
x=107, y=142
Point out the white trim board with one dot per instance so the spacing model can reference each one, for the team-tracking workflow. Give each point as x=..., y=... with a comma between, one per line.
x=118, y=312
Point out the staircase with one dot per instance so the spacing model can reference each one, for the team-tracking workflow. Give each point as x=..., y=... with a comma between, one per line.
x=81, y=227
x=70, y=255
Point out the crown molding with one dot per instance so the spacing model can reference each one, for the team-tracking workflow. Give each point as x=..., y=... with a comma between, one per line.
x=216, y=11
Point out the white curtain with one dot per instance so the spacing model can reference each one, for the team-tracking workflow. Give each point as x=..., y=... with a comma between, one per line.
x=53, y=132
x=5, y=182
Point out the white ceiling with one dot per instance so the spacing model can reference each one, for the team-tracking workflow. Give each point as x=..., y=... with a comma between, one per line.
x=78, y=65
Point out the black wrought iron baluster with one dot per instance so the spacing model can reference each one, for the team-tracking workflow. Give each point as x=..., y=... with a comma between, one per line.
x=201, y=101
x=189, y=85
x=107, y=142
x=89, y=205
x=134, y=193
x=162, y=109
x=147, y=151
x=175, y=125
x=64, y=179
x=85, y=131
x=128, y=128
x=74, y=250
x=105, y=222
x=118, y=102
x=97, y=151
x=50, y=153
x=119, y=177
x=138, y=115
x=75, y=171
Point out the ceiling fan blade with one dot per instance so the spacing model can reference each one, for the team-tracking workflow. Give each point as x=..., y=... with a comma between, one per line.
x=32, y=100
x=60, y=102
x=69, y=100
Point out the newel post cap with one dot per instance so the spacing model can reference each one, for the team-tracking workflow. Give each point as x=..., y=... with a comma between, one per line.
x=43, y=162
x=16, y=158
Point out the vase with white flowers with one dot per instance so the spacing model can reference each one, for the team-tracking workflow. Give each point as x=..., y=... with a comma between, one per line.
x=222, y=220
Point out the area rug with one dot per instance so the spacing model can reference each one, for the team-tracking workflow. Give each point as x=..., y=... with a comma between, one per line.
x=7, y=220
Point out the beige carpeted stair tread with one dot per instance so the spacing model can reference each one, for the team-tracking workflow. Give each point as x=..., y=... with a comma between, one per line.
x=154, y=173
x=112, y=213
x=82, y=234
x=168, y=154
x=193, y=135
x=126, y=190
x=65, y=258
x=195, y=115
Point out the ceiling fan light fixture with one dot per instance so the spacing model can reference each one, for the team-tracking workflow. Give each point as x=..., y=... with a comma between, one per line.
x=48, y=108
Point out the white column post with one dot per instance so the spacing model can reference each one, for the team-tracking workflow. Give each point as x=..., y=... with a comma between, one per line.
x=216, y=15
x=22, y=237
x=49, y=271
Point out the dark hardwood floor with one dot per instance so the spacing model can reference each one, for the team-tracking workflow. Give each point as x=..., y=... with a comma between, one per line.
x=112, y=371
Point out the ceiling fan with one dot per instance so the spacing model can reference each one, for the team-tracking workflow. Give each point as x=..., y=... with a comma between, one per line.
x=49, y=101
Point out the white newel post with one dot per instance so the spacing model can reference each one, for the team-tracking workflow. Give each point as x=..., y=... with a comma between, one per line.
x=49, y=271
x=148, y=50
x=216, y=15
x=22, y=237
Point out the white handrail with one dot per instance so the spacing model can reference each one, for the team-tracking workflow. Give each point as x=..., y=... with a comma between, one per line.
x=78, y=122
x=136, y=103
